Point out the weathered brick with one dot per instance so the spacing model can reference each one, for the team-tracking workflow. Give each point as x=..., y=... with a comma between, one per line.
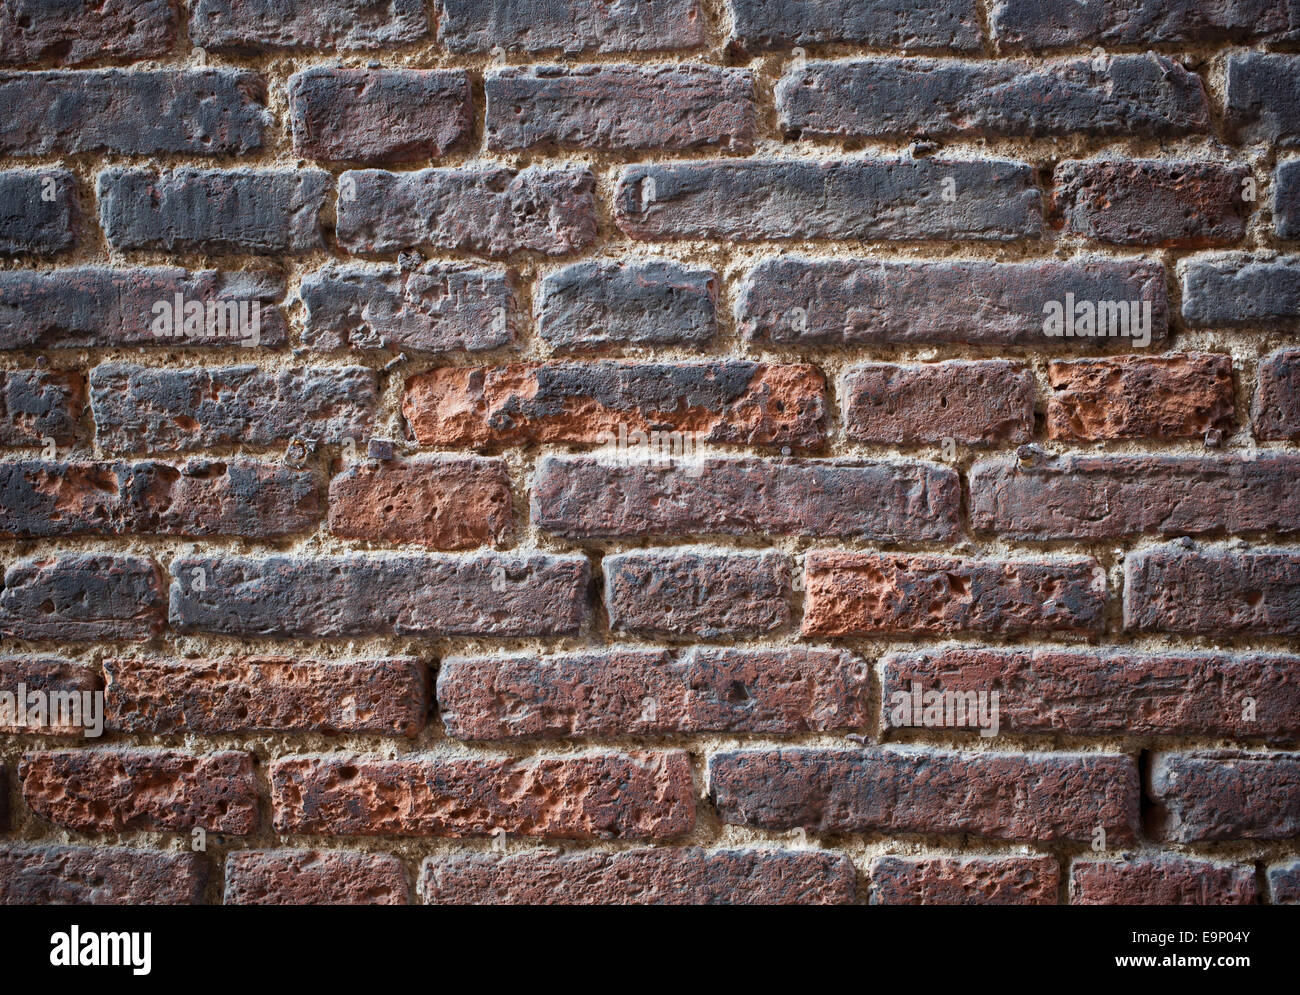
x=83, y=596
x=36, y=405
x=4, y=800
x=491, y=211
x=94, y=306
x=699, y=592
x=1240, y=290
x=1146, y=95
x=38, y=210
x=628, y=692
x=1099, y=497
x=1179, y=396
x=869, y=199
x=379, y=115
x=1166, y=879
x=586, y=498
x=439, y=307
x=382, y=697
x=314, y=877
x=1275, y=412
x=84, y=875
x=1109, y=692
x=1150, y=202
x=794, y=300
x=595, y=305
x=663, y=876
x=213, y=211
x=1286, y=200
x=41, y=498
x=761, y=24
x=339, y=24
x=669, y=107
x=589, y=796
x=571, y=25
x=65, y=706
x=138, y=407
x=907, y=594
x=734, y=401
x=1039, y=24
x=72, y=32
x=1045, y=797
x=1262, y=98
x=981, y=404
x=443, y=502
x=1212, y=592
x=194, y=112
x=534, y=594
x=120, y=790
x=1284, y=882
x=964, y=880
x=1206, y=796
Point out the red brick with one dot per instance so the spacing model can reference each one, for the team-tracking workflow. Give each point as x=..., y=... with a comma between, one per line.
x=589, y=796
x=83, y=596
x=314, y=877
x=1275, y=413
x=36, y=405
x=1163, y=880
x=83, y=875
x=69, y=34
x=1208, y=796
x=65, y=688
x=964, y=880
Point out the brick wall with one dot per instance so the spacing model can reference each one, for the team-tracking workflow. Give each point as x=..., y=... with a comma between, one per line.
x=486, y=450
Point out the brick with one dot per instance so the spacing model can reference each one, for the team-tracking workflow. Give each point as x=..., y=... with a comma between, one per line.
x=1101, y=497
x=494, y=212
x=1236, y=290
x=155, y=112
x=1150, y=202
x=1179, y=396
x=218, y=696
x=4, y=802
x=907, y=594
x=661, y=876
x=41, y=498
x=571, y=26
x=1166, y=879
x=1040, y=24
x=36, y=405
x=90, y=307
x=345, y=25
x=730, y=401
x=700, y=592
x=285, y=595
x=1207, y=796
x=793, y=300
x=589, y=796
x=314, y=877
x=85, y=875
x=1109, y=692
x=1262, y=99
x=120, y=790
x=628, y=692
x=379, y=115
x=1012, y=796
x=1212, y=592
x=868, y=199
x=670, y=107
x=38, y=210
x=85, y=596
x=980, y=404
x=213, y=211
x=438, y=307
x=1286, y=200
x=443, y=502
x=596, y=305
x=964, y=880
x=1275, y=411
x=885, y=97
x=1284, y=882
x=65, y=706
x=138, y=407
x=72, y=33
x=587, y=498
x=763, y=24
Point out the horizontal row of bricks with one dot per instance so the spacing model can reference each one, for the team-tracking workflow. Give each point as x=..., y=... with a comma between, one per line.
x=662, y=875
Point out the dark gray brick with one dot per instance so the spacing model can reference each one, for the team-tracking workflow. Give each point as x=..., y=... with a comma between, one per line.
x=571, y=25
x=1262, y=100
x=38, y=211
x=761, y=24
x=1240, y=290
x=340, y=24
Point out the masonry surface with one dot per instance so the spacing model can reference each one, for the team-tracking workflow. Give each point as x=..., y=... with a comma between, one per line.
x=505, y=451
